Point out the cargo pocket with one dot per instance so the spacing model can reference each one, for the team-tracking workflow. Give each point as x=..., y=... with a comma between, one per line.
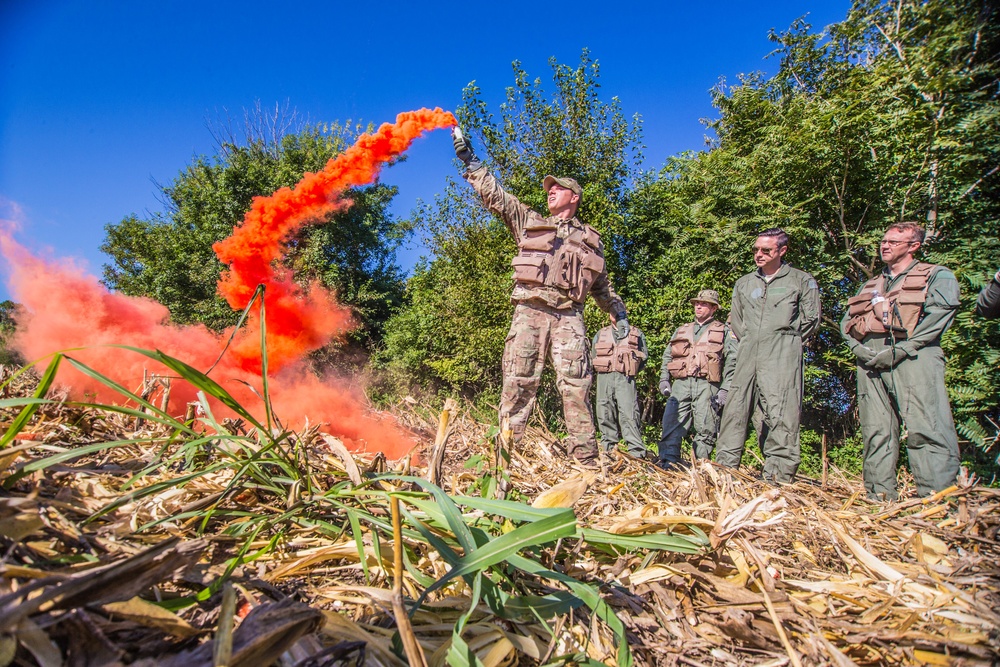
x=574, y=363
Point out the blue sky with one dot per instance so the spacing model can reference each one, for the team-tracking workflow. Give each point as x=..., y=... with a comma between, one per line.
x=99, y=99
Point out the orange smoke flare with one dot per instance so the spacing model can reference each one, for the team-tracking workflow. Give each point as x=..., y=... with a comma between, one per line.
x=302, y=320
x=63, y=308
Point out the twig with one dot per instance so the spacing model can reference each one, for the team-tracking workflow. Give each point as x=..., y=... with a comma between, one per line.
x=792, y=655
x=414, y=653
x=222, y=652
x=437, y=453
x=826, y=463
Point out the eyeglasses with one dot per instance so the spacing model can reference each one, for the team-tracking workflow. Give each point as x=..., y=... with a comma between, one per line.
x=894, y=243
x=764, y=251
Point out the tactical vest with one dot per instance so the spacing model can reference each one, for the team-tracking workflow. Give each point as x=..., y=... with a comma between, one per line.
x=622, y=356
x=874, y=312
x=700, y=358
x=571, y=264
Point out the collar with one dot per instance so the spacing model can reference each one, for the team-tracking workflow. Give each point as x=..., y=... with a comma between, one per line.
x=782, y=270
x=889, y=276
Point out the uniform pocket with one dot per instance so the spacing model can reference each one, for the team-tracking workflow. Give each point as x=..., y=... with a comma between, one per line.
x=529, y=269
x=573, y=363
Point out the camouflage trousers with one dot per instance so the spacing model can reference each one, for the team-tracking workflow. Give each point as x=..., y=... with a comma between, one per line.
x=538, y=331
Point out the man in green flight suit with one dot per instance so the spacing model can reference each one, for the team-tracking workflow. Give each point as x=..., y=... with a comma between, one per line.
x=775, y=309
x=695, y=372
x=894, y=327
x=617, y=361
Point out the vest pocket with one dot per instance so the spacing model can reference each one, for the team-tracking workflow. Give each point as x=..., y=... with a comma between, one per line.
x=677, y=368
x=679, y=348
x=529, y=269
x=856, y=305
x=538, y=239
x=713, y=367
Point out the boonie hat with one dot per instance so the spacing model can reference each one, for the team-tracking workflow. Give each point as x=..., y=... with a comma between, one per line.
x=707, y=296
x=568, y=183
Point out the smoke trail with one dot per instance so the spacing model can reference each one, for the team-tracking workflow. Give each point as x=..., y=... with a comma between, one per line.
x=300, y=321
x=63, y=307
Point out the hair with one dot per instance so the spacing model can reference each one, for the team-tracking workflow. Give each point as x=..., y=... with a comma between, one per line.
x=916, y=230
x=778, y=234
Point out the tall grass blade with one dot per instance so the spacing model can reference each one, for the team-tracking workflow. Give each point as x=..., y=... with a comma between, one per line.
x=506, y=546
x=29, y=410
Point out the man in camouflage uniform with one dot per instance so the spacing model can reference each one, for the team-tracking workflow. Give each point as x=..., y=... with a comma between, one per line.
x=559, y=262
x=617, y=361
x=695, y=372
x=894, y=327
x=775, y=309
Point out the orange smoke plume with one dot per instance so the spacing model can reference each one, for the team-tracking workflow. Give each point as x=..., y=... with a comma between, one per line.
x=63, y=307
x=300, y=321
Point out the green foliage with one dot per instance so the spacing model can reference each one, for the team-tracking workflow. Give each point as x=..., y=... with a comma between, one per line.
x=888, y=116
x=457, y=313
x=169, y=257
x=7, y=326
x=884, y=118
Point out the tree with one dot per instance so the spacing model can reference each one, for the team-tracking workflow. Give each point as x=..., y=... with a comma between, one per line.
x=452, y=327
x=890, y=116
x=169, y=256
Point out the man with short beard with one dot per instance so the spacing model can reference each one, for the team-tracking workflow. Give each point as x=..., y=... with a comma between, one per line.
x=559, y=261
x=894, y=327
x=775, y=310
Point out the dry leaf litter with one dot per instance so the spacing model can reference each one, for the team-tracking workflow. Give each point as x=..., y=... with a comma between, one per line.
x=807, y=574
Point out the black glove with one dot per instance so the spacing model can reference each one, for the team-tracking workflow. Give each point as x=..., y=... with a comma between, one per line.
x=665, y=387
x=719, y=400
x=463, y=149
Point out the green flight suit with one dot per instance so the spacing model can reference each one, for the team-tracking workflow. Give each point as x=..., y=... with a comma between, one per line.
x=689, y=407
x=988, y=303
x=618, y=404
x=912, y=391
x=770, y=319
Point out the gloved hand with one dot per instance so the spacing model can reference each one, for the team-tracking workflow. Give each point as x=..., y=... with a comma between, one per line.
x=864, y=354
x=719, y=400
x=463, y=148
x=621, y=328
x=665, y=387
x=886, y=359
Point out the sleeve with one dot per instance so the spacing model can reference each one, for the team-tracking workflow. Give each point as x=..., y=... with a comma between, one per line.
x=667, y=357
x=606, y=297
x=729, y=348
x=940, y=309
x=736, y=311
x=643, y=351
x=852, y=343
x=810, y=309
x=593, y=346
x=497, y=200
x=988, y=303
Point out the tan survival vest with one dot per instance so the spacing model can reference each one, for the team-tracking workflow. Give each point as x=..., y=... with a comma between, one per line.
x=873, y=311
x=700, y=358
x=623, y=356
x=571, y=264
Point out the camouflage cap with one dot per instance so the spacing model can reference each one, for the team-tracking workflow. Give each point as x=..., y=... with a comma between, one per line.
x=568, y=183
x=707, y=296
